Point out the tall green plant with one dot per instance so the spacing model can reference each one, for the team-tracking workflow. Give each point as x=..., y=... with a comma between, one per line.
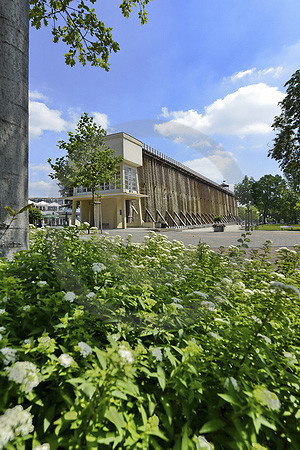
x=88, y=161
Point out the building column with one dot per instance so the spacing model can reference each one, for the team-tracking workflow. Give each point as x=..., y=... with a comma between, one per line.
x=139, y=208
x=124, y=222
x=73, y=212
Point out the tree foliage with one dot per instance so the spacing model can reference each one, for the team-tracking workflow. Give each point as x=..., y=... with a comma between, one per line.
x=271, y=195
x=88, y=161
x=35, y=215
x=76, y=24
x=243, y=191
x=286, y=148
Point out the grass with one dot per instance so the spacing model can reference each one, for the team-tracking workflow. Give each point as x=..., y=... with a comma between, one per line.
x=276, y=227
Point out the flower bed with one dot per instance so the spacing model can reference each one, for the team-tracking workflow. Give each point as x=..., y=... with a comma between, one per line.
x=109, y=344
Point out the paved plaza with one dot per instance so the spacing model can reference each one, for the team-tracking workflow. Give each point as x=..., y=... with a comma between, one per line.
x=229, y=237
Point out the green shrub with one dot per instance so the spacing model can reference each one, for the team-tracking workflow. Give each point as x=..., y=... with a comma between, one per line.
x=110, y=344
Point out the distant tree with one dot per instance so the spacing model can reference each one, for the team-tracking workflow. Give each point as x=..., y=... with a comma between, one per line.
x=286, y=148
x=242, y=212
x=243, y=191
x=35, y=215
x=88, y=161
x=268, y=193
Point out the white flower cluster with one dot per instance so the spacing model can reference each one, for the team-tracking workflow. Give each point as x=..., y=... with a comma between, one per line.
x=41, y=283
x=85, y=349
x=98, y=267
x=16, y=421
x=44, y=340
x=70, y=296
x=65, y=360
x=45, y=446
x=265, y=338
x=24, y=373
x=265, y=397
x=9, y=355
x=233, y=382
x=284, y=287
x=126, y=355
x=209, y=305
x=215, y=335
x=2, y=311
x=90, y=295
x=157, y=353
x=203, y=444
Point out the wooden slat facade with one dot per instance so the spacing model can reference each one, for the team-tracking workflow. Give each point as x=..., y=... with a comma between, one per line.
x=170, y=188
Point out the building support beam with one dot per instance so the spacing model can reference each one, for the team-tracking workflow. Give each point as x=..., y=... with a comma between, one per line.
x=73, y=219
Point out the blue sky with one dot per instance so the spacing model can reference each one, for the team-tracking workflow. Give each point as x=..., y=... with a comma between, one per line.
x=200, y=82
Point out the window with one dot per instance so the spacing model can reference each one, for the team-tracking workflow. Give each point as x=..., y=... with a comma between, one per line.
x=130, y=179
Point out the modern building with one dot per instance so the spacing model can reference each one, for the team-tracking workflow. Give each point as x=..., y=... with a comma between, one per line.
x=153, y=188
x=56, y=210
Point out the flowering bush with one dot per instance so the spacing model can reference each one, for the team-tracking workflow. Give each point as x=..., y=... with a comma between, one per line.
x=109, y=344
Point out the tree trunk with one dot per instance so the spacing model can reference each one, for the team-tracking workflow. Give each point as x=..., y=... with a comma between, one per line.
x=13, y=122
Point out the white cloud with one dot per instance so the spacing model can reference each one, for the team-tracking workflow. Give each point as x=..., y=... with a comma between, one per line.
x=219, y=166
x=248, y=111
x=101, y=119
x=39, y=167
x=242, y=74
x=42, y=118
x=256, y=75
x=205, y=167
x=43, y=189
x=35, y=95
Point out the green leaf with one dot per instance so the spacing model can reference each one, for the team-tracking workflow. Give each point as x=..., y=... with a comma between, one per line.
x=229, y=399
x=161, y=376
x=100, y=357
x=212, y=425
x=70, y=415
x=116, y=418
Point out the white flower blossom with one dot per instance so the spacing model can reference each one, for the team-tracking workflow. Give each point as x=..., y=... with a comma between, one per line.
x=70, y=296
x=4, y=300
x=2, y=329
x=256, y=319
x=115, y=337
x=239, y=285
x=9, y=355
x=209, y=305
x=203, y=444
x=26, y=307
x=176, y=300
x=265, y=338
x=215, y=335
x=265, y=397
x=45, y=340
x=200, y=294
x=232, y=381
x=45, y=446
x=26, y=342
x=291, y=357
x=126, y=355
x=85, y=349
x=25, y=373
x=16, y=421
x=2, y=311
x=177, y=305
x=157, y=353
x=41, y=283
x=98, y=267
x=90, y=295
x=65, y=360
